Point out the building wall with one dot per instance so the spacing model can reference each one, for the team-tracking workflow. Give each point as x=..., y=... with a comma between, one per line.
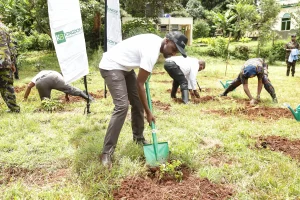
x=288, y=6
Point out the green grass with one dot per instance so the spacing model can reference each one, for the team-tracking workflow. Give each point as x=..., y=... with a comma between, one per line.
x=73, y=141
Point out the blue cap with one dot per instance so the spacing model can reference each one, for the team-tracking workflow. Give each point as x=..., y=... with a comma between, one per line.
x=249, y=71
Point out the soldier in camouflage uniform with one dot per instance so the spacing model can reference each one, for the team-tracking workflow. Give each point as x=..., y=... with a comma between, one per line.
x=6, y=69
x=288, y=47
x=253, y=67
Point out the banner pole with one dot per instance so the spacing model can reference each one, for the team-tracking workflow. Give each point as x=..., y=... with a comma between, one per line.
x=105, y=43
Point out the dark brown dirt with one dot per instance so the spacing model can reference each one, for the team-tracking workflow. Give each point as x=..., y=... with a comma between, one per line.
x=19, y=89
x=189, y=188
x=37, y=176
x=277, y=143
x=96, y=95
x=252, y=113
x=160, y=105
x=203, y=99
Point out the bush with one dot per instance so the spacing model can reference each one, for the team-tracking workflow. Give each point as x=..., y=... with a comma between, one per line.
x=201, y=29
x=36, y=41
x=220, y=45
x=241, y=52
x=138, y=26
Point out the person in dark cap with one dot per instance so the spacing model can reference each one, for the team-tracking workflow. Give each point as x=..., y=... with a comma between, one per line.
x=289, y=48
x=117, y=68
x=251, y=68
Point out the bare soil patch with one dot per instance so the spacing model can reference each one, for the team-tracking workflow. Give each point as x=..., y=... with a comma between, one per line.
x=96, y=95
x=252, y=113
x=19, y=89
x=203, y=99
x=38, y=176
x=277, y=143
x=149, y=188
x=162, y=106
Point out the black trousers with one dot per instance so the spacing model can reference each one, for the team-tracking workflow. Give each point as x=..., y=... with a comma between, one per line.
x=178, y=77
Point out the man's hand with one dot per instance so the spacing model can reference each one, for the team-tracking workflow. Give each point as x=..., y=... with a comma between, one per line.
x=150, y=118
x=196, y=94
x=253, y=102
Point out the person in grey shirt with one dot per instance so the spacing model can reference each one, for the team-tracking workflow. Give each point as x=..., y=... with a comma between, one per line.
x=47, y=80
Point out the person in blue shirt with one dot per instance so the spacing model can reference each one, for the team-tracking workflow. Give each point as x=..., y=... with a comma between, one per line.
x=251, y=68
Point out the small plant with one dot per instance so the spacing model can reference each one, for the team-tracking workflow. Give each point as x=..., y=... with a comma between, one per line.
x=171, y=170
x=50, y=105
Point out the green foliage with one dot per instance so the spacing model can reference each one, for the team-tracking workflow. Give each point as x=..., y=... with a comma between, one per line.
x=201, y=29
x=51, y=105
x=245, y=39
x=171, y=170
x=204, y=40
x=220, y=45
x=195, y=9
x=180, y=13
x=138, y=26
x=35, y=41
x=241, y=52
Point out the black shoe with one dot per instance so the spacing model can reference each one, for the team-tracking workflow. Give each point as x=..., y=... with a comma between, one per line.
x=106, y=160
x=275, y=100
x=141, y=141
x=223, y=95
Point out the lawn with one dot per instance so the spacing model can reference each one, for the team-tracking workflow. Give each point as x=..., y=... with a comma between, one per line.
x=223, y=141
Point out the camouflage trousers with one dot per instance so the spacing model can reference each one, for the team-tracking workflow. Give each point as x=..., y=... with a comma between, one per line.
x=265, y=80
x=7, y=90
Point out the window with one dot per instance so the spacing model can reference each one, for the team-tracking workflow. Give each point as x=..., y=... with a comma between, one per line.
x=286, y=22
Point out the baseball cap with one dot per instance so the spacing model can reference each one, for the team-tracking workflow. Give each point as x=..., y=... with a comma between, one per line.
x=249, y=71
x=179, y=39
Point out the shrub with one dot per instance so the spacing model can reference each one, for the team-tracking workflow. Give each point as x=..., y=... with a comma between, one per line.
x=241, y=52
x=201, y=29
x=138, y=26
x=220, y=45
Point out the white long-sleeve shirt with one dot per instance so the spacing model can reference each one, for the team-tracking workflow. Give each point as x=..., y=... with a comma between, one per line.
x=189, y=66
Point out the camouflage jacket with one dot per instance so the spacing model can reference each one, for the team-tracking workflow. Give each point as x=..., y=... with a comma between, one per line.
x=6, y=57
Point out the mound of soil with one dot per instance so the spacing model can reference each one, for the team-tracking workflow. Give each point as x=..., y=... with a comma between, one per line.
x=19, y=89
x=277, y=143
x=253, y=112
x=189, y=188
x=160, y=105
x=37, y=176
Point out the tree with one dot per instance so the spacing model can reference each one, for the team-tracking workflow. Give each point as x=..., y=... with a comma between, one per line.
x=268, y=11
x=195, y=9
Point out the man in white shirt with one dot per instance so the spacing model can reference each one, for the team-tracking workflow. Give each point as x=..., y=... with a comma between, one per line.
x=184, y=73
x=47, y=80
x=116, y=67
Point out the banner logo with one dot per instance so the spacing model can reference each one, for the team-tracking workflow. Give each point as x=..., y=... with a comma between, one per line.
x=61, y=36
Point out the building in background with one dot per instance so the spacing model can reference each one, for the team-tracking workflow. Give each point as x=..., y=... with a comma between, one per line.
x=285, y=24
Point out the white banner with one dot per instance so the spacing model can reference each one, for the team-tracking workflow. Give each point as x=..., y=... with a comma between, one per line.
x=114, y=30
x=68, y=38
